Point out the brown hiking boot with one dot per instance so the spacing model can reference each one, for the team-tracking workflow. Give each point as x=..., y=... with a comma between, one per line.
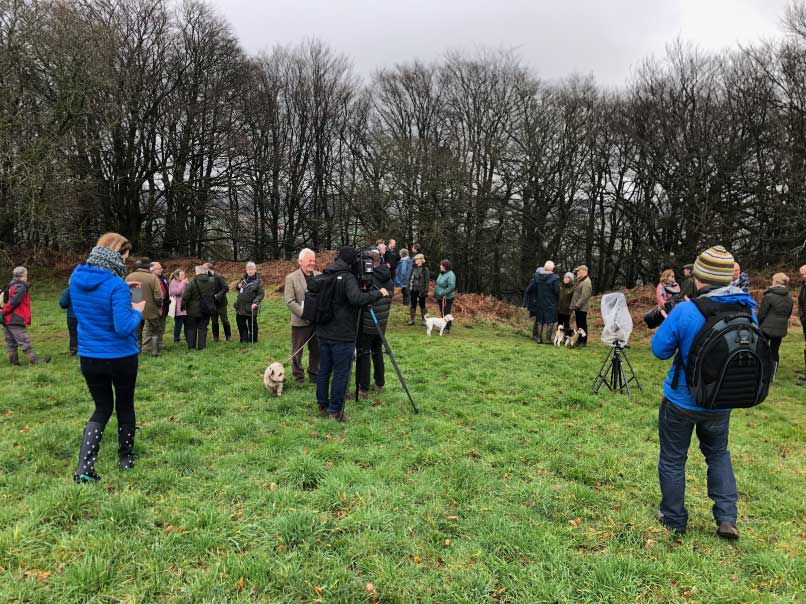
x=727, y=530
x=363, y=394
x=13, y=358
x=321, y=410
x=341, y=416
x=378, y=389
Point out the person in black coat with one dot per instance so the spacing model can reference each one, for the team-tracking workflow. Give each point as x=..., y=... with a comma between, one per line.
x=542, y=298
x=220, y=289
x=773, y=316
x=370, y=343
x=337, y=336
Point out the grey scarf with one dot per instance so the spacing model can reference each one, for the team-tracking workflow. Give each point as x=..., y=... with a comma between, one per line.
x=104, y=257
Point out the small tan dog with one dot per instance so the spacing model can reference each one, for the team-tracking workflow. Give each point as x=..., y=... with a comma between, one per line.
x=571, y=341
x=273, y=378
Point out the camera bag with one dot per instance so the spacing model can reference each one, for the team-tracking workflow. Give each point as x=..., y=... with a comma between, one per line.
x=729, y=364
x=318, y=305
x=206, y=302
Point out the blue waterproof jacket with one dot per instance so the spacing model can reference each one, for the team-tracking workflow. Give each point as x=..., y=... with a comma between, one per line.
x=678, y=331
x=102, y=303
x=403, y=272
x=64, y=302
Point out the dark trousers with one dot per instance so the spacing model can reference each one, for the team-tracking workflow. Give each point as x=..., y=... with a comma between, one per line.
x=247, y=328
x=406, y=297
x=775, y=345
x=445, y=307
x=581, y=319
x=675, y=426
x=103, y=376
x=371, y=348
x=335, y=358
x=72, y=329
x=565, y=321
x=299, y=335
x=179, y=324
x=196, y=332
x=221, y=313
x=418, y=298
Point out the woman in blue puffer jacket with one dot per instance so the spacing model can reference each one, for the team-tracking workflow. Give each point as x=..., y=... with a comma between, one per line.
x=107, y=347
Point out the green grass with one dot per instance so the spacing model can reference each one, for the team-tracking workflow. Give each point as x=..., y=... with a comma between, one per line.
x=240, y=497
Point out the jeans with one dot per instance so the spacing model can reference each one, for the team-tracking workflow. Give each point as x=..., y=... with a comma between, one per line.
x=675, y=426
x=371, y=347
x=336, y=358
x=179, y=323
x=104, y=375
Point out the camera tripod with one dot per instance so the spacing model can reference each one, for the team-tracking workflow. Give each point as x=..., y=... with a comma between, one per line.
x=614, y=376
x=387, y=348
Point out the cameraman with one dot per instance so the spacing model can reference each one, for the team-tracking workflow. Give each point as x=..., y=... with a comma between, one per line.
x=337, y=336
x=679, y=415
x=371, y=343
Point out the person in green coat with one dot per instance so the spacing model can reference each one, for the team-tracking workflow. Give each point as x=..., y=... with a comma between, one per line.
x=445, y=291
x=773, y=316
x=202, y=286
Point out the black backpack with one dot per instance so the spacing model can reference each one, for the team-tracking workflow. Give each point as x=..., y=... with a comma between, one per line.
x=318, y=305
x=729, y=364
x=206, y=302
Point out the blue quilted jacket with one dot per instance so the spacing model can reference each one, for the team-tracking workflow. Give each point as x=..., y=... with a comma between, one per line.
x=107, y=325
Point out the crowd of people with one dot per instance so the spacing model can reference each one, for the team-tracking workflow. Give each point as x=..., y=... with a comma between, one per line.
x=114, y=317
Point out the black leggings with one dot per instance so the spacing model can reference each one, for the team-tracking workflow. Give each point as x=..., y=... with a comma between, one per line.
x=775, y=344
x=417, y=297
x=104, y=375
x=564, y=320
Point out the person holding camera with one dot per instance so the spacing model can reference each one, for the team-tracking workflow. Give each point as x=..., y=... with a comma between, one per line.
x=773, y=316
x=337, y=337
x=679, y=415
x=108, y=348
x=371, y=344
x=149, y=284
x=200, y=306
x=247, y=304
x=419, y=282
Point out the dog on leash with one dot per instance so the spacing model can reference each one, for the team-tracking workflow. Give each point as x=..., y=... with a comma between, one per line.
x=273, y=378
x=439, y=322
x=568, y=337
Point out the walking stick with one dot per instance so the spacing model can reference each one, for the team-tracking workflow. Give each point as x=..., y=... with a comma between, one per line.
x=252, y=326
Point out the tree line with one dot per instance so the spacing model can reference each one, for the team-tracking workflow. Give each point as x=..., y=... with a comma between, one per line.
x=147, y=117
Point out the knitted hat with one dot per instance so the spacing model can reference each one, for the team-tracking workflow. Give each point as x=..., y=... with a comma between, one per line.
x=581, y=267
x=419, y=257
x=714, y=266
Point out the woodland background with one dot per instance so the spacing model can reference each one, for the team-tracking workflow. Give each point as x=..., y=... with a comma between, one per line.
x=147, y=117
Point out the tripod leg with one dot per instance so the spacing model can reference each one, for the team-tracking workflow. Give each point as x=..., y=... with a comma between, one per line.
x=601, y=377
x=393, y=361
x=632, y=372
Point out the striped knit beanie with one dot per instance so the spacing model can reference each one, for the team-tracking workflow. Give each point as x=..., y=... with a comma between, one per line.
x=714, y=266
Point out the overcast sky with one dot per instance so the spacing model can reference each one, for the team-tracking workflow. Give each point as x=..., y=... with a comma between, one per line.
x=606, y=38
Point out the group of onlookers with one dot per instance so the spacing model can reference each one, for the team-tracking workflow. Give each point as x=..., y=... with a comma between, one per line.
x=552, y=301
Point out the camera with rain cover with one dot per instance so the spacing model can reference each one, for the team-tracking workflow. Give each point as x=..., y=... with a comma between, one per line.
x=363, y=268
x=656, y=316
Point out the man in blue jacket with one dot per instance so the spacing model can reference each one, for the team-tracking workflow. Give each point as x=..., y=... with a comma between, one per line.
x=679, y=415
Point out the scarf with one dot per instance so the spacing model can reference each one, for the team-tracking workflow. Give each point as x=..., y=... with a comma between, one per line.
x=109, y=259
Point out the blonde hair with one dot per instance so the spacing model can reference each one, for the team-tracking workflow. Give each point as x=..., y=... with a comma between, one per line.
x=666, y=275
x=781, y=279
x=175, y=274
x=114, y=241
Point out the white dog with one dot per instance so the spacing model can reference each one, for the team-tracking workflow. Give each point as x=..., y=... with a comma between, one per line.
x=438, y=322
x=273, y=378
x=559, y=337
x=571, y=340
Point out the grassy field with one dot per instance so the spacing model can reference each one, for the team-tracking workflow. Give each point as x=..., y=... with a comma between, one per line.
x=513, y=484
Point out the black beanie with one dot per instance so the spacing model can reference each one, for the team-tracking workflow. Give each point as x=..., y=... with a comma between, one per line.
x=348, y=255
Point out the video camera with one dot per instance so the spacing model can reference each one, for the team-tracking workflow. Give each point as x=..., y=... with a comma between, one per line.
x=363, y=268
x=655, y=316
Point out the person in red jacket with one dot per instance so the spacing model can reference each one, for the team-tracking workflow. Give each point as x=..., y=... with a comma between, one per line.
x=17, y=318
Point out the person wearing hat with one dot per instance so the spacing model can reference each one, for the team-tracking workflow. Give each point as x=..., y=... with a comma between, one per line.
x=580, y=301
x=679, y=415
x=419, y=281
x=337, y=337
x=688, y=289
x=148, y=334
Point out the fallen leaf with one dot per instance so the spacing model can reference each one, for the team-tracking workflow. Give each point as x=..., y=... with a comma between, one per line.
x=240, y=584
x=447, y=542
x=734, y=578
x=369, y=588
x=8, y=413
x=803, y=534
x=169, y=529
x=650, y=543
x=318, y=590
x=417, y=559
x=452, y=518
x=575, y=522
